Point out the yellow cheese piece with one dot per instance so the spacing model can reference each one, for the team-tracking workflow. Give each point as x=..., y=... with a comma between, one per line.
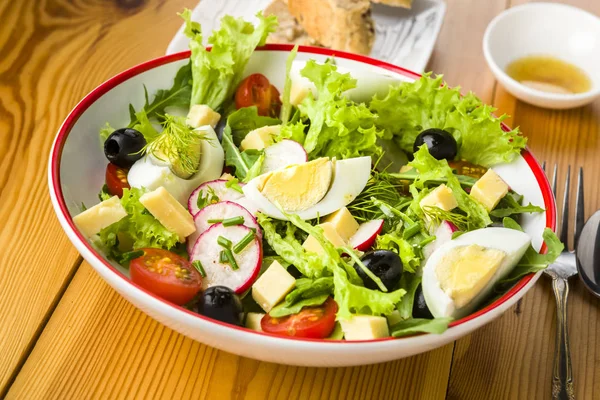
x=464, y=271
x=98, y=217
x=440, y=197
x=169, y=212
x=343, y=222
x=297, y=93
x=272, y=286
x=330, y=233
x=298, y=187
x=226, y=176
x=253, y=321
x=260, y=138
x=201, y=115
x=365, y=327
x=489, y=190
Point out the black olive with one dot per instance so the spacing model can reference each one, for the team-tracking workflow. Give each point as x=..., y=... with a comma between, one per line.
x=123, y=147
x=221, y=303
x=440, y=143
x=420, y=309
x=384, y=264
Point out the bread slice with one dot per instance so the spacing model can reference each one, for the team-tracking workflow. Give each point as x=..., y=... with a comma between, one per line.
x=338, y=24
x=395, y=3
x=289, y=30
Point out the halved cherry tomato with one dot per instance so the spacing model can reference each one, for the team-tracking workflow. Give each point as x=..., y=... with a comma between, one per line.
x=116, y=179
x=311, y=322
x=256, y=90
x=166, y=274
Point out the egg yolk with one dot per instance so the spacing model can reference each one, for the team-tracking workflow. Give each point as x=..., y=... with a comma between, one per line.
x=466, y=270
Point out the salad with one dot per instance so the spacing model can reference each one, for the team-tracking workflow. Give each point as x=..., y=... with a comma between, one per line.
x=286, y=210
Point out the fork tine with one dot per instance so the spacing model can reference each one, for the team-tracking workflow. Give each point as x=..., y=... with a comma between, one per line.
x=564, y=226
x=579, y=211
x=554, y=178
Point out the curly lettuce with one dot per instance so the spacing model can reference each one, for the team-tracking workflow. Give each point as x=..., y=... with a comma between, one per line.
x=411, y=107
x=217, y=72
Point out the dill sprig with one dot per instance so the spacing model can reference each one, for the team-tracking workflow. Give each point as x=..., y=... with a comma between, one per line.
x=437, y=215
x=179, y=145
x=381, y=186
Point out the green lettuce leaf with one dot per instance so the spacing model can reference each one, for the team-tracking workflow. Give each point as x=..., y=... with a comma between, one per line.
x=245, y=120
x=410, y=283
x=338, y=127
x=419, y=325
x=247, y=163
x=145, y=127
x=294, y=131
x=286, y=106
x=411, y=107
x=284, y=309
x=217, y=73
x=137, y=230
x=105, y=132
x=393, y=241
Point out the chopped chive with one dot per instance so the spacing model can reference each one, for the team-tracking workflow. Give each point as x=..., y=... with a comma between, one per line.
x=253, y=230
x=224, y=242
x=214, y=221
x=231, y=260
x=198, y=265
x=233, y=221
x=411, y=231
x=241, y=245
x=426, y=241
x=223, y=257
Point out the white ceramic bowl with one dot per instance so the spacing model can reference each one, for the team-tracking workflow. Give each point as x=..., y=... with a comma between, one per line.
x=547, y=29
x=76, y=173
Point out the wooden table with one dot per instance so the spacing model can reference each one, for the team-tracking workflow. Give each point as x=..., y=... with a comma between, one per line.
x=64, y=333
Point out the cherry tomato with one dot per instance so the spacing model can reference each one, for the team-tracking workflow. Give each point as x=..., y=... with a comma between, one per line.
x=256, y=90
x=166, y=274
x=312, y=322
x=116, y=180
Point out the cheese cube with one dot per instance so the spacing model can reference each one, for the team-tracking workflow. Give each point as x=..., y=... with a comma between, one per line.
x=489, y=189
x=272, y=286
x=201, y=115
x=253, y=321
x=312, y=244
x=343, y=222
x=226, y=176
x=260, y=138
x=365, y=327
x=169, y=212
x=298, y=93
x=440, y=197
x=393, y=318
x=98, y=217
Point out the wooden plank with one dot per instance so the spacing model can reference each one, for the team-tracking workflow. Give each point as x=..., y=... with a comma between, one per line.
x=98, y=345
x=517, y=350
x=45, y=45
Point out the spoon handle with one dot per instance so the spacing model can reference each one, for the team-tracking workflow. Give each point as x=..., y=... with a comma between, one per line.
x=562, y=379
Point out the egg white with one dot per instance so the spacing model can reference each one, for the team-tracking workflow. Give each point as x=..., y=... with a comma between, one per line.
x=512, y=242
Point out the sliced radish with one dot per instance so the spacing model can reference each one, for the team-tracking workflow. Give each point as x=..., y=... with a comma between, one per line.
x=366, y=234
x=221, y=210
x=443, y=234
x=218, y=187
x=207, y=250
x=280, y=155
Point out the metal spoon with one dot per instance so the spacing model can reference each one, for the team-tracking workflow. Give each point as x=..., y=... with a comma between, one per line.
x=588, y=254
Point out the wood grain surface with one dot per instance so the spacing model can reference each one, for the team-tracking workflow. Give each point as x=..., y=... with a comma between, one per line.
x=64, y=333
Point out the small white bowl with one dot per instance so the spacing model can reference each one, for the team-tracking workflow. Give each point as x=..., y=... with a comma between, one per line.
x=547, y=29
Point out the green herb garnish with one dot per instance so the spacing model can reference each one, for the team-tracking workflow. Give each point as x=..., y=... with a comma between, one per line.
x=239, y=220
x=231, y=260
x=198, y=265
x=224, y=242
x=241, y=245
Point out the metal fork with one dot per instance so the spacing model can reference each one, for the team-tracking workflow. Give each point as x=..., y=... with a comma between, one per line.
x=564, y=268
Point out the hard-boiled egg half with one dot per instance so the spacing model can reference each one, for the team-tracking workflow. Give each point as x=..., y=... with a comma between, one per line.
x=461, y=273
x=151, y=173
x=311, y=189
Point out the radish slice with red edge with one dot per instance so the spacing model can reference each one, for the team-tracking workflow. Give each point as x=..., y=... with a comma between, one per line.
x=207, y=251
x=220, y=211
x=366, y=234
x=218, y=187
x=443, y=234
x=280, y=155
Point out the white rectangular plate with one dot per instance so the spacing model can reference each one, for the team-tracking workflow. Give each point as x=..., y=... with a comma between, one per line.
x=402, y=37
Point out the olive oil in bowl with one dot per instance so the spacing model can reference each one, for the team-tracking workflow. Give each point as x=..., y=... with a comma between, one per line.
x=549, y=74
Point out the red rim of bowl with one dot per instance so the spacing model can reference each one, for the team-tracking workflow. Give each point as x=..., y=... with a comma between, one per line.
x=103, y=88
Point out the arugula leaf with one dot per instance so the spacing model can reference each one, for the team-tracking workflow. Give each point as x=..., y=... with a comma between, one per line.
x=307, y=288
x=419, y=325
x=286, y=106
x=243, y=161
x=411, y=107
x=245, y=120
x=510, y=206
x=511, y=224
x=283, y=309
x=217, y=73
x=177, y=96
x=410, y=283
